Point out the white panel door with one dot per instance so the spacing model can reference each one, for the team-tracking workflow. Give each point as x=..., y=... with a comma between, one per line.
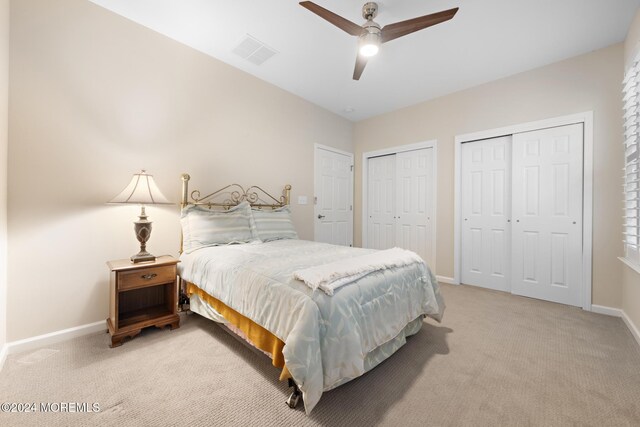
x=333, y=213
x=381, y=182
x=547, y=214
x=486, y=209
x=414, y=195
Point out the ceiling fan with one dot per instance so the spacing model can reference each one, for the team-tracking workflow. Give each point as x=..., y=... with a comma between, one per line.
x=370, y=34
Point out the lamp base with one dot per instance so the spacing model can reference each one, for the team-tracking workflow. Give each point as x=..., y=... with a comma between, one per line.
x=142, y=228
x=142, y=256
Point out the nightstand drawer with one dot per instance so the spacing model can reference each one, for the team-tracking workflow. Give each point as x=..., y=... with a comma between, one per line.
x=145, y=277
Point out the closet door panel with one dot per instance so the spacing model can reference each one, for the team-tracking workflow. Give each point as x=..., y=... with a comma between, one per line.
x=414, y=209
x=485, y=210
x=547, y=213
x=381, y=202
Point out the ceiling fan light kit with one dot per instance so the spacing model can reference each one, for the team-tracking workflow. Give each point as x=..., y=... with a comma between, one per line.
x=370, y=34
x=370, y=39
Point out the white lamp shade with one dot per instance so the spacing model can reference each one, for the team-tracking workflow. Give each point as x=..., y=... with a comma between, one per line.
x=141, y=190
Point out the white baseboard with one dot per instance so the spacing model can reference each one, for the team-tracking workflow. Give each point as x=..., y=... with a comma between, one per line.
x=609, y=311
x=633, y=328
x=445, y=279
x=54, y=337
x=3, y=355
x=616, y=312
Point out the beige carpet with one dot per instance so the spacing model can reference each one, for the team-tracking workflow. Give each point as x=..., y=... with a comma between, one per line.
x=496, y=359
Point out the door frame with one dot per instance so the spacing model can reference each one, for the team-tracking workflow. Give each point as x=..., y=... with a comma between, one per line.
x=433, y=143
x=586, y=119
x=317, y=147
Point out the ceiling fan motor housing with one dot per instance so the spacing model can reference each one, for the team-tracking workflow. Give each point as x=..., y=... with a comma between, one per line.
x=371, y=27
x=369, y=10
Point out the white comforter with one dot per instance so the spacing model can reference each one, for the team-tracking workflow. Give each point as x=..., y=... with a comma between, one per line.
x=334, y=275
x=327, y=338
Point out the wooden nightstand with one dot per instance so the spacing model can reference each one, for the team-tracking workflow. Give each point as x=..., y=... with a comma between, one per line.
x=142, y=295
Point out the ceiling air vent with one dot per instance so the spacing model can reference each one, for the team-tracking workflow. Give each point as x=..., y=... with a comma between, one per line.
x=253, y=50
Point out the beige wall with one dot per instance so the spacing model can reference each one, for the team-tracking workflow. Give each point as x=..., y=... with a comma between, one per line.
x=4, y=116
x=94, y=98
x=589, y=82
x=631, y=278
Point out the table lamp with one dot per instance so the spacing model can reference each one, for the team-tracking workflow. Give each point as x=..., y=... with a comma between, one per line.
x=142, y=190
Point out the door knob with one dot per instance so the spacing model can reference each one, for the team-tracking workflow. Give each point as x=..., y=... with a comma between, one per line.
x=320, y=216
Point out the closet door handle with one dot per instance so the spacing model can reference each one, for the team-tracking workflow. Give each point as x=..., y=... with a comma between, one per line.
x=320, y=216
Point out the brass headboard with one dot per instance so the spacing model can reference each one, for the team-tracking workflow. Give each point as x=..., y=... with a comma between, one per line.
x=232, y=195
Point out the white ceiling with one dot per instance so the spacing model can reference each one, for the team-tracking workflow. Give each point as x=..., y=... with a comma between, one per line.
x=485, y=41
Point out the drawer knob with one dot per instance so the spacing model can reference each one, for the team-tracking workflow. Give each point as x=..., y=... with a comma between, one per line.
x=148, y=276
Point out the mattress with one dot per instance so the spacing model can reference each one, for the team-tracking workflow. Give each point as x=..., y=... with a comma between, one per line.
x=329, y=340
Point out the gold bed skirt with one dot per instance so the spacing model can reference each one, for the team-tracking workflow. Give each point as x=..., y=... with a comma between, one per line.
x=256, y=334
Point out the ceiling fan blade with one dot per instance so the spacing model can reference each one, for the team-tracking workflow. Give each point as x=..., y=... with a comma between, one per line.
x=361, y=62
x=337, y=20
x=399, y=29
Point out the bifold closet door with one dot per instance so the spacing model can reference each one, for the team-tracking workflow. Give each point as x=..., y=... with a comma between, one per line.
x=381, y=226
x=485, y=211
x=547, y=214
x=414, y=195
x=399, y=207
x=381, y=202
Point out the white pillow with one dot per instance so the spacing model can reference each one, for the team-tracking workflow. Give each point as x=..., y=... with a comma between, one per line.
x=202, y=227
x=274, y=224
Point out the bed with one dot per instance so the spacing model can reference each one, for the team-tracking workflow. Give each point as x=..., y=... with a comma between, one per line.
x=320, y=338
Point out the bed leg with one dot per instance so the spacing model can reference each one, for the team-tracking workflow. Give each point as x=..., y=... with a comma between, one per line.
x=294, y=399
x=183, y=299
x=183, y=302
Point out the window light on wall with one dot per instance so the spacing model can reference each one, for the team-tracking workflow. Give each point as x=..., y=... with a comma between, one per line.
x=631, y=170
